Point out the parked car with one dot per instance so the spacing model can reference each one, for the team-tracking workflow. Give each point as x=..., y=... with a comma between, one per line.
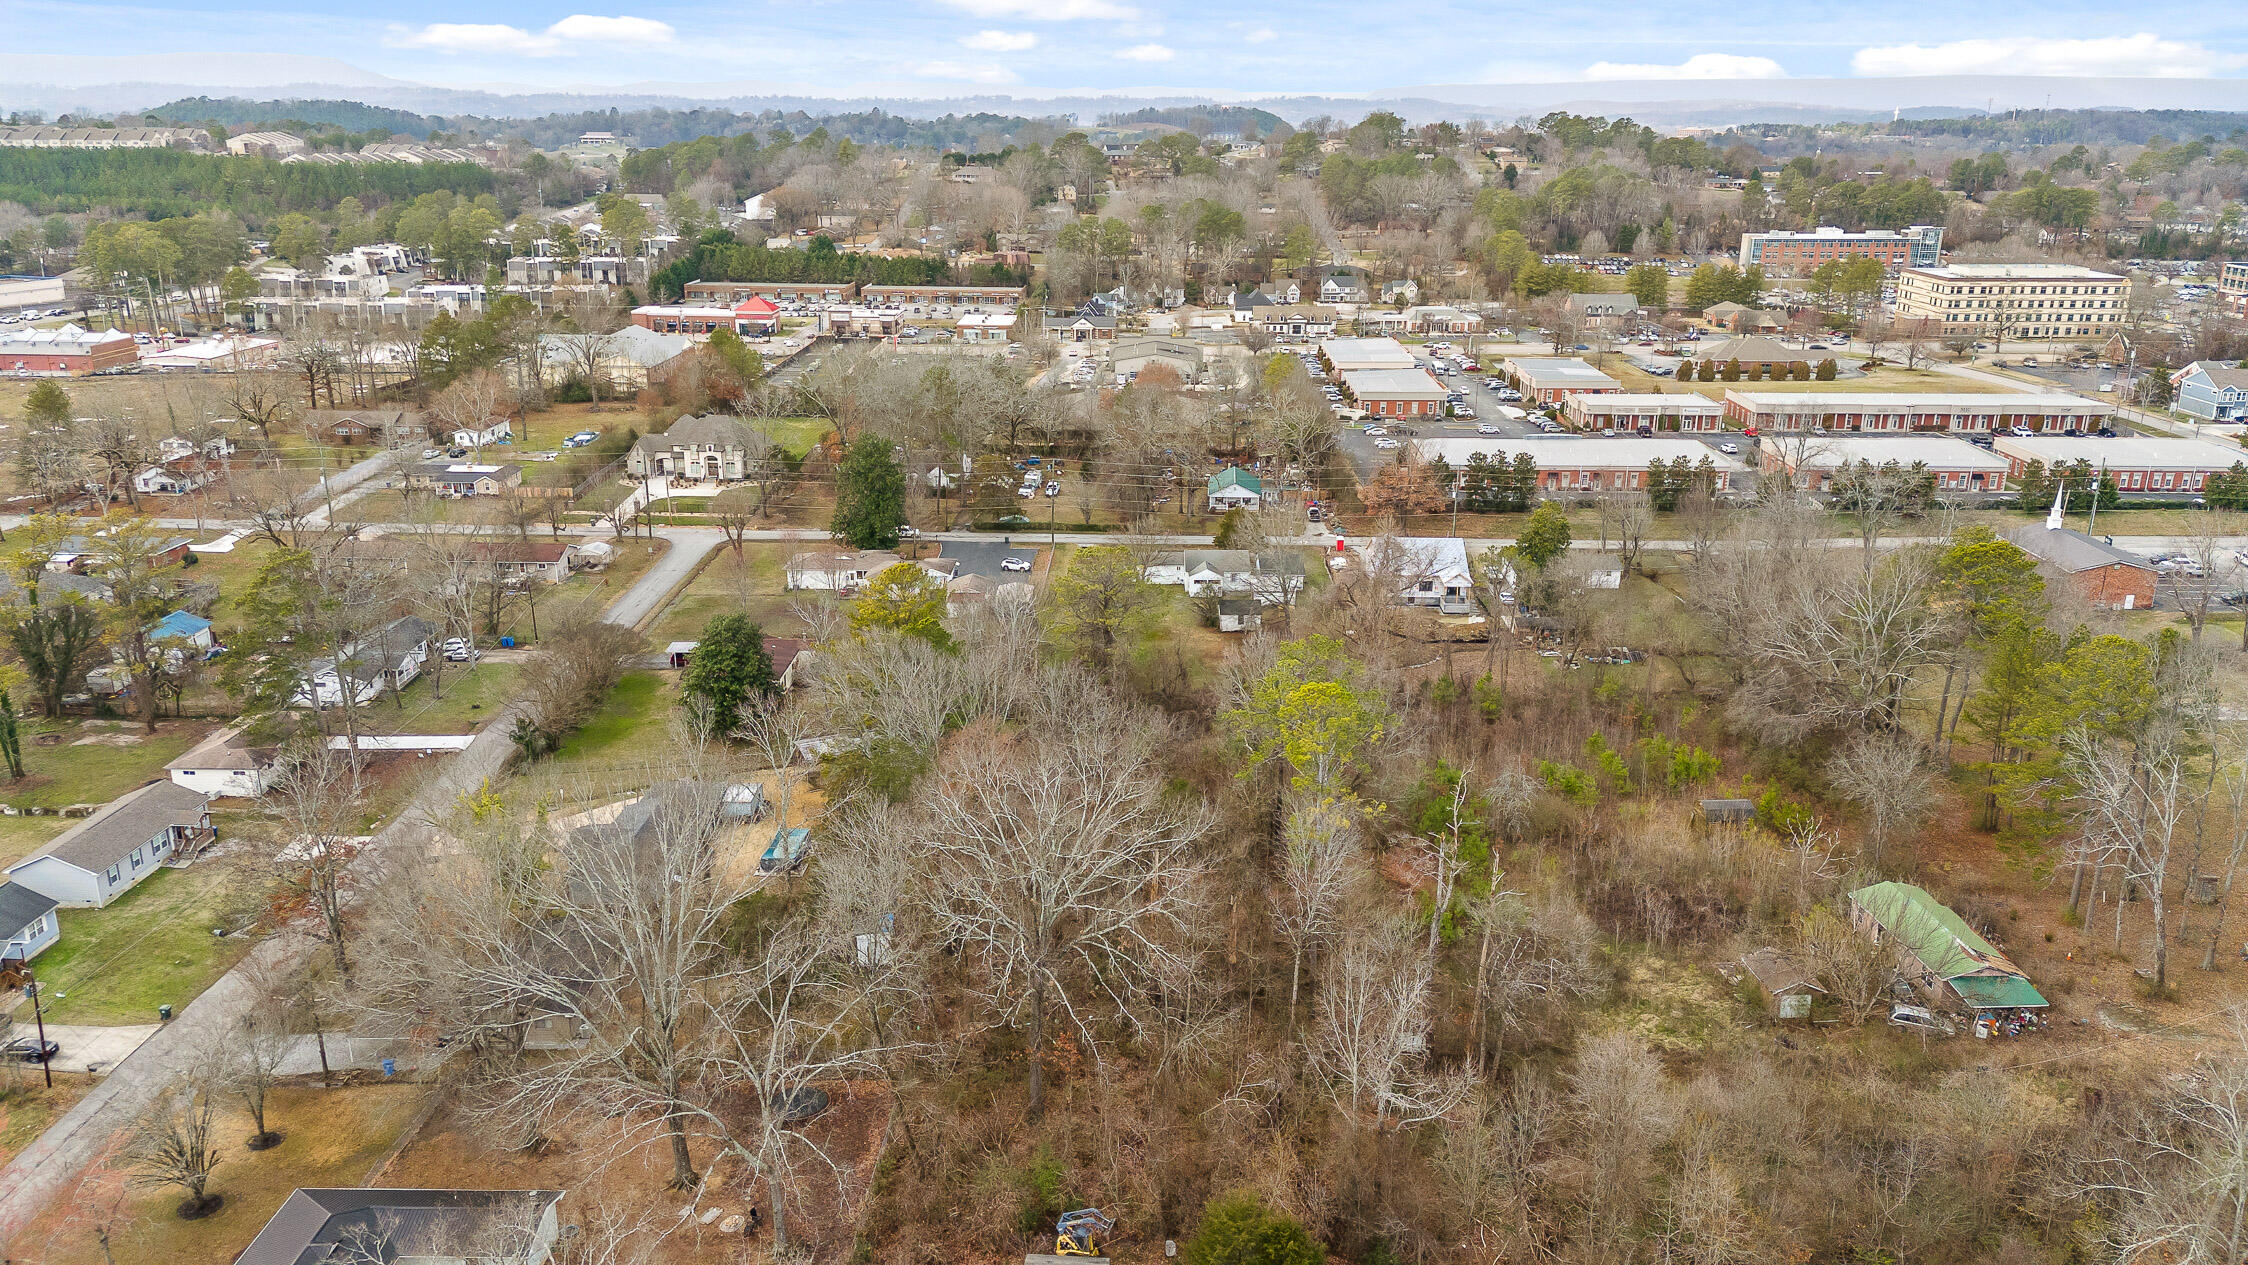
x=1387, y=444
x=1054, y=488
x=907, y=531
x=1487, y=428
x=1376, y=431
x=1014, y=563
x=1729, y=449
x=30, y=1050
x=1921, y=1019
x=459, y=649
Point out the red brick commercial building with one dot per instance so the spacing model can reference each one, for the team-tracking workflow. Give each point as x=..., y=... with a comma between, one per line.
x=1977, y=414
x=66, y=351
x=2137, y=463
x=1785, y=253
x=1396, y=392
x=1628, y=412
x=728, y=293
x=2108, y=577
x=1544, y=380
x=957, y=296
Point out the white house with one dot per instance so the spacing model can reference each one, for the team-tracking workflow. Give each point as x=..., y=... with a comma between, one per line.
x=226, y=765
x=1234, y=488
x=1273, y=577
x=494, y=430
x=176, y=477
x=174, y=447
x=1434, y=572
x=389, y=658
x=104, y=856
x=841, y=570
x=27, y=923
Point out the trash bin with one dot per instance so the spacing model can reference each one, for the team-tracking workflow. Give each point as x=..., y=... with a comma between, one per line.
x=164, y=1012
x=390, y=1067
x=507, y=643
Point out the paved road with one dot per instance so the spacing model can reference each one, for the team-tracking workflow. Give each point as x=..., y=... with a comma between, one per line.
x=98, y=1048
x=42, y=1170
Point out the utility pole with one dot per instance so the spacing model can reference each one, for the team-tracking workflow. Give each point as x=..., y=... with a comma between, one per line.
x=39, y=1015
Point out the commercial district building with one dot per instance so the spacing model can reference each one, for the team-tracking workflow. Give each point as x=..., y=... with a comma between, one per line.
x=1965, y=413
x=2137, y=463
x=1812, y=460
x=2013, y=301
x=1785, y=252
x=1590, y=463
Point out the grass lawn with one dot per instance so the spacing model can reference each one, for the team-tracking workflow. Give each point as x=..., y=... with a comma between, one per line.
x=640, y=706
x=331, y=1138
x=152, y=945
x=232, y=571
x=796, y=435
x=96, y=761
x=471, y=697
x=751, y=583
x=27, y=1106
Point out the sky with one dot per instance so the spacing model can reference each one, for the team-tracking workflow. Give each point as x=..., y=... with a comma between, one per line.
x=1252, y=47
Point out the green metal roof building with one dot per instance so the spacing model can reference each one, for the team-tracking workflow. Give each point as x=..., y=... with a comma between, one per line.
x=1234, y=486
x=1946, y=949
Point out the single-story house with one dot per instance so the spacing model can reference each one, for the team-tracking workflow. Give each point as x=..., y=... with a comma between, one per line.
x=389, y=658
x=491, y=430
x=1434, y=571
x=174, y=447
x=2108, y=577
x=547, y=561
x=1240, y=614
x=27, y=923
x=362, y=426
x=189, y=634
x=177, y=476
x=457, y=480
x=104, y=856
x=226, y=764
x=1942, y=955
x=1234, y=488
x=840, y=570
x=1273, y=577
x=489, y=1227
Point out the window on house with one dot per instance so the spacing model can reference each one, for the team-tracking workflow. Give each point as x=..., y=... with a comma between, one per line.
x=111, y=875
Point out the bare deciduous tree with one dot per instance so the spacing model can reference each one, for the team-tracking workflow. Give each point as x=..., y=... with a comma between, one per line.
x=1886, y=776
x=1369, y=1039
x=1319, y=866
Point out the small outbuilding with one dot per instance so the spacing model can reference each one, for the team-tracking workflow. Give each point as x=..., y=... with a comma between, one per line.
x=1725, y=812
x=1784, y=983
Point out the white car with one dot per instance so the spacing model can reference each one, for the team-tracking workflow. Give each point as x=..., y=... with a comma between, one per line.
x=907, y=531
x=1054, y=488
x=1387, y=444
x=1730, y=450
x=1487, y=428
x=1376, y=431
x=1013, y=563
x=1921, y=1019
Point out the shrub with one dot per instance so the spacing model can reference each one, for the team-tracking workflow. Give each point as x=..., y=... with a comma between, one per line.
x=1237, y=1229
x=1569, y=782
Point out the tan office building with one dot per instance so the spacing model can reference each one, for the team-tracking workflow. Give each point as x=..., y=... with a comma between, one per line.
x=2013, y=301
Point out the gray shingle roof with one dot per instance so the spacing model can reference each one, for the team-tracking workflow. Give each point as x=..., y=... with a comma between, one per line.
x=2073, y=551
x=313, y=1224
x=20, y=907
x=102, y=840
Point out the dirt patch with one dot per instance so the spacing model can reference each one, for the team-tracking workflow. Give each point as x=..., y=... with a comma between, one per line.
x=110, y=740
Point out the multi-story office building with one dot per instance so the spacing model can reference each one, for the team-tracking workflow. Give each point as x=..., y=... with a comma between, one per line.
x=2013, y=301
x=2232, y=284
x=1785, y=252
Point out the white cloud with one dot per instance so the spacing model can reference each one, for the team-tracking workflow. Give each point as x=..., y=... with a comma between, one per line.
x=616, y=30
x=1699, y=66
x=494, y=37
x=1262, y=35
x=1000, y=41
x=1048, y=10
x=2129, y=55
x=962, y=72
x=1145, y=52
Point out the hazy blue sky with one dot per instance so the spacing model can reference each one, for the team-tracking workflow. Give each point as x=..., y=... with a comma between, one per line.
x=1258, y=46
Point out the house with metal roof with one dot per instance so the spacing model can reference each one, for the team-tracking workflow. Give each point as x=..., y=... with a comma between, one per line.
x=317, y=1226
x=1234, y=488
x=1941, y=953
x=107, y=854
